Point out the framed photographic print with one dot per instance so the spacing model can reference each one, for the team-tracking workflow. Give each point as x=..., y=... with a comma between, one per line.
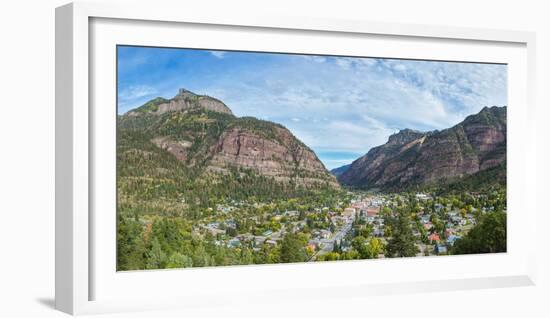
x=240, y=156
x=329, y=173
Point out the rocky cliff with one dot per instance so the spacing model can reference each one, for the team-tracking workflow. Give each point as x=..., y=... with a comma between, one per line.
x=282, y=157
x=202, y=133
x=419, y=158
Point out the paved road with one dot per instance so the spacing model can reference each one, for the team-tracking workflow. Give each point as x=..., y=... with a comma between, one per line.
x=328, y=244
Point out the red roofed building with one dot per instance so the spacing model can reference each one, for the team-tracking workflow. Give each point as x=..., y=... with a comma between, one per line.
x=373, y=211
x=358, y=205
x=434, y=237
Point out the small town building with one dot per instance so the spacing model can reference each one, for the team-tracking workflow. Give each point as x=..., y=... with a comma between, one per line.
x=434, y=237
x=440, y=249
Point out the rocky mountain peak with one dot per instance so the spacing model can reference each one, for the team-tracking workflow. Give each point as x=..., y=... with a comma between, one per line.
x=185, y=94
x=184, y=100
x=404, y=136
x=488, y=116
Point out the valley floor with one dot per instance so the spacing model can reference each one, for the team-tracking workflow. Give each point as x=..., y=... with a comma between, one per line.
x=352, y=225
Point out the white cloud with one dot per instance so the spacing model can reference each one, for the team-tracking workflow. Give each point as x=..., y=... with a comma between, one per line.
x=343, y=62
x=367, y=61
x=314, y=58
x=130, y=96
x=400, y=67
x=137, y=91
x=218, y=54
x=353, y=104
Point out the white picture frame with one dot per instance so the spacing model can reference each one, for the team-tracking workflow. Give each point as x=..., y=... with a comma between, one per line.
x=84, y=285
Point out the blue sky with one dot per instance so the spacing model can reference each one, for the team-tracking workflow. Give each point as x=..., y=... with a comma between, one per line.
x=339, y=106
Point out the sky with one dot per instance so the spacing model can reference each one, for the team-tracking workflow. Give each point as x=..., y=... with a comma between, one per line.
x=339, y=106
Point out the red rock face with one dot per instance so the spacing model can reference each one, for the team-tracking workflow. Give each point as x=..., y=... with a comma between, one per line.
x=284, y=158
x=409, y=157
x=281, y=157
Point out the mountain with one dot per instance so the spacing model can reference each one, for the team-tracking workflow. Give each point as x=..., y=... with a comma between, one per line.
x=196, y=141
x=184, y=100
x=476, y=145
x=338, y=171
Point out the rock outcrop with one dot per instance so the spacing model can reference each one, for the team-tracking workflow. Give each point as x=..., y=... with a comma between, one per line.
x=184, y=100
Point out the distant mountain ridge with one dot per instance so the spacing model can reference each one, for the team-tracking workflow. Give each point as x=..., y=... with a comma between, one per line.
x=420, y=158
x=338, y=171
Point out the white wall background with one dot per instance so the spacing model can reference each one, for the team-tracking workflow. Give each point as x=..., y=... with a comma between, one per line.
x=27, y=158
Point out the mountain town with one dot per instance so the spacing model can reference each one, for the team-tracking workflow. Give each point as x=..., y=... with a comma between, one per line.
x=198, y=186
